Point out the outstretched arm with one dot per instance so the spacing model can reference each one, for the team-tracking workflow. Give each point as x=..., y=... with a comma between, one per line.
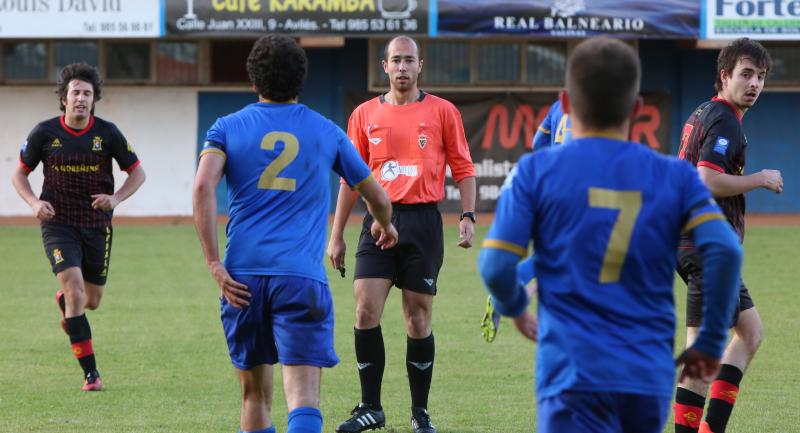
x=727, y=185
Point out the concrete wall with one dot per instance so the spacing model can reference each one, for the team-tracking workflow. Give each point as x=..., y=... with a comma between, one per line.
x=160, y=123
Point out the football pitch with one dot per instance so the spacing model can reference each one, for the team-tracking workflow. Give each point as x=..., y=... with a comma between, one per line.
x=165, y=366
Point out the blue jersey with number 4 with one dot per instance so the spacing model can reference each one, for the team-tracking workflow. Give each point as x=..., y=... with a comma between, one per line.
x=554, y=130
x=605, y=218
x=278, y=163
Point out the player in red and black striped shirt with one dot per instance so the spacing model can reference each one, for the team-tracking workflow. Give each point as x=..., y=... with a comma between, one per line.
x=77, y=201
x=714, y=142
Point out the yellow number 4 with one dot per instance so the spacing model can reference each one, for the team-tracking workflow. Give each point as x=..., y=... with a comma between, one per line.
x=629, y=203
x=269, y=178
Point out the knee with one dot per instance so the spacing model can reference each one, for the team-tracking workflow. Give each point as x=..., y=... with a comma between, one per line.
x=74, y=290
x=366, y=317
x=753, y=338
x=418, y=324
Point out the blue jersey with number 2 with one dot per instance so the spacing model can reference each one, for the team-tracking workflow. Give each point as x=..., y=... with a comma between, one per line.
x=278, y=163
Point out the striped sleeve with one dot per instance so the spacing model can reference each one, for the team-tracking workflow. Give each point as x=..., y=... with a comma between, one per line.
x=215, y=140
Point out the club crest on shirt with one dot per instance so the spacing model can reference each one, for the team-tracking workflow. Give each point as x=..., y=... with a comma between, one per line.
x=57, y=256
x=56, y=143
x=97, y=144
x=422, y=140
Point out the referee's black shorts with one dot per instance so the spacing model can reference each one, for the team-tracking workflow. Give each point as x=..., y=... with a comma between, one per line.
x=690, y=268
x=414, y=263
x=87, y=248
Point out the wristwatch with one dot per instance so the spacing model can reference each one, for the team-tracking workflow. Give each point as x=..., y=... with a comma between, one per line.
x=470, y=215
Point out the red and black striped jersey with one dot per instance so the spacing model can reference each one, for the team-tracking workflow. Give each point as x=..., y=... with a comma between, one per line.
x=77, y=164
x=713, y=137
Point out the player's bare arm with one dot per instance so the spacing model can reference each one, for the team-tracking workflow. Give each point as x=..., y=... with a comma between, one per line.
x=467, y=226
x=204, y=204
x=380, y=207
x=108, y=202
x=336, y=245
x=527, y=324
x=727, y=185
x=41, y=209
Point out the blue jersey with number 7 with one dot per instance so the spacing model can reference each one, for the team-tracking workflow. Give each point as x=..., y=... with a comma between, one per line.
x=605, y=218
x=278, y=163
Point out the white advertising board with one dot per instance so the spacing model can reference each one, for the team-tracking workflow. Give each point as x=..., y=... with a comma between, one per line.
x=81, y=18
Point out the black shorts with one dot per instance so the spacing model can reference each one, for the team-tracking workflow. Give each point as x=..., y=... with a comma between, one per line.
x=413, y=263
x=89, y=249
x=690, y=268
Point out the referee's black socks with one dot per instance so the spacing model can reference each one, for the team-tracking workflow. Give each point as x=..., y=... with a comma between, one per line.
x=419, y=364
x=371, y=360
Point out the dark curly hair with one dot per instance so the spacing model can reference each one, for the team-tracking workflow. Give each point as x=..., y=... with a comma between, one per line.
x=277, y=67
x=78, y=71
x=739, y=49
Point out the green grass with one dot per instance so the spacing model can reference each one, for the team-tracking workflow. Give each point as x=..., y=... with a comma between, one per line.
x=165, y=365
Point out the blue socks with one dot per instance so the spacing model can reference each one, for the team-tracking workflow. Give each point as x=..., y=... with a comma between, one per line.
x=301, y=420
x=305, y=420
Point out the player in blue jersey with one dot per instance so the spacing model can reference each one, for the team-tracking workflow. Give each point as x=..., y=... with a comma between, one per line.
x=277, y=156
x=555, y=129
x=605, y=231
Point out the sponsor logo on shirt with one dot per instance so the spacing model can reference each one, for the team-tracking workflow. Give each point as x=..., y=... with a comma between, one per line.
x=390, y=170
x=375, y=140
x=721, y=146
x=97, y=144
x=130, y=148
x=56, y=143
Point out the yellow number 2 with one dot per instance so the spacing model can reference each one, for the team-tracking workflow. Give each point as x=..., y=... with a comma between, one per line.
x=269, y=178
x=629, y=203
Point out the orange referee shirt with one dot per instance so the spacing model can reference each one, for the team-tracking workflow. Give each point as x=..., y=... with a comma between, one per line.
x=407, y=146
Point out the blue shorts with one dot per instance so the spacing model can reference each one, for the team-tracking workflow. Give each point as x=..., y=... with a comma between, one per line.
x=289, y=320
x=602, y=412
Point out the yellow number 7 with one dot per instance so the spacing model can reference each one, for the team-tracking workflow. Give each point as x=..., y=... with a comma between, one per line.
x=269, y=178
x=629, y=204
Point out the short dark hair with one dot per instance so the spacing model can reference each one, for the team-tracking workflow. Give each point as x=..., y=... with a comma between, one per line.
x=602, y=82
x=277, y=67
x=78, y=71
x=404, y=37
x=739, y=49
